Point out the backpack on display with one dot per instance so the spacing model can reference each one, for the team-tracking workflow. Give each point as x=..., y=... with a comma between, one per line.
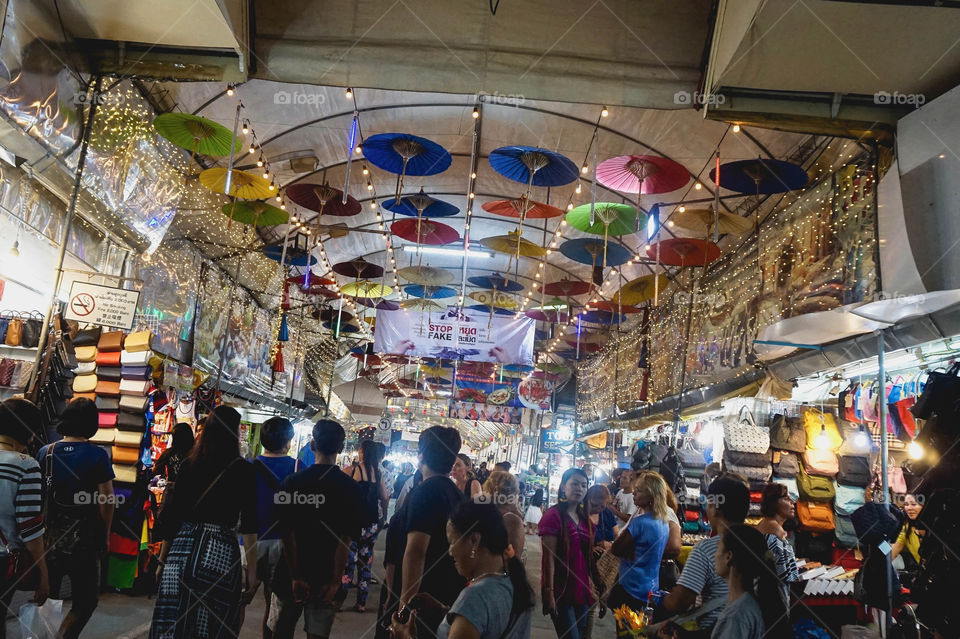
x=785, y=464
x=816, y=424
x=848, y=499
x=735, y=458
x=815, y=487
x=787, y=433
x=854, y=470
x=815, y=516
x=821, y=462
x=845, y=532
x=742, y=435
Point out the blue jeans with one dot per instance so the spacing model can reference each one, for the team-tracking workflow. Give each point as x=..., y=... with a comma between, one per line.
x=570, y=621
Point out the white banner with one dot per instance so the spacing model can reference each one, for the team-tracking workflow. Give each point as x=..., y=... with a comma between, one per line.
x=473, y=335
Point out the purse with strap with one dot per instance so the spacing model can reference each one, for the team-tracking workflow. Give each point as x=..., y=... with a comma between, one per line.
x=785, y=464
x=821, y=429
x=821, y=462
x=854, y=470
x=14, y=332
x=787, y=433
x=815, y=488
x=20, y=569
x=815, y=516
x=744, y=436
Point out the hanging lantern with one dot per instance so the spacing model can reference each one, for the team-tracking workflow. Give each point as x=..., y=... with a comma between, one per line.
x=284, y=334
x=278, y=360
x=285, y=299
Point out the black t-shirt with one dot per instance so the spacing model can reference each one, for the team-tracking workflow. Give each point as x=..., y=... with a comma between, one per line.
x=428, y=509
x=320, y=505
x=231, y=498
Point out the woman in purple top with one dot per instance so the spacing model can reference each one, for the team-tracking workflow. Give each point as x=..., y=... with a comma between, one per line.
x=566, y=535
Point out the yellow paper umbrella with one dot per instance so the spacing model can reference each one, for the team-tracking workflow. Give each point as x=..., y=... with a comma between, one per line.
x=639, y=290
x=513, y=244
x=433, y=371
x=495, y=299
x=702, y=221
x=244, y=185
x=365, y=288
x=426, y=275
x=418, y=303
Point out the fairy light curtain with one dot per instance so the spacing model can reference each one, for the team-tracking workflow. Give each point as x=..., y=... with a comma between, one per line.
x=817, y=253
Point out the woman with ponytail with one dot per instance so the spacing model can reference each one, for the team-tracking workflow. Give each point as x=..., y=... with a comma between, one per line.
x=566, y=536
x=497, y=602
x=755, y=609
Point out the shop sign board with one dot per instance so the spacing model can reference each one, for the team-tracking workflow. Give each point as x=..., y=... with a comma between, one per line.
x=102, y=305
x=382, y=436
x=555, y=440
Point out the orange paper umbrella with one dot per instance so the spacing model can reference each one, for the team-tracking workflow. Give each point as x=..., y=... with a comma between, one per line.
x=682, y=251
x=522, y=206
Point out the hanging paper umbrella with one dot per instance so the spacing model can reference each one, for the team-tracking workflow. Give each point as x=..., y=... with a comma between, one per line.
x=604, y=218
x=319, y=291
x=314, y=279
x=432, y=370
x=483, y=308
x=344, y=328
x=295, y=257
x=331, y=314
x=426, y=275
x=555, y=311
x=587, y=347
x=567, y=288
x=643, y=174
x=283, y=335
x=382, y=305
x=522, y=207
x=365, y=288
x=197, y=134
x=683, y=251
x=593, y=252
x=602, y=317
x=533, y=166
x=323, y=199
x=277, y=366
x=358, y=268
x=761, y=176
x=430, y=292
x=405, y=154
x=438, y=381
x=421, y=205
x=244, y=185
x=639, y=290
x=513, y=244
x=496, y=281
x=497, y=299
x=429, y=232
x=702, y=221
x=613, y=307
x=255, y=213
x=421, y=305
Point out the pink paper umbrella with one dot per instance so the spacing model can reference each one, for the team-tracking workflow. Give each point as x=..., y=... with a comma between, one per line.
x=643, y=175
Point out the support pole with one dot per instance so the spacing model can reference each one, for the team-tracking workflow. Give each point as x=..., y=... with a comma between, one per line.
x=32, y=385
x=884, y=462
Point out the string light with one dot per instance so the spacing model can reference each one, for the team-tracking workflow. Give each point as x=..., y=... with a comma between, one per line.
x=584, y=169
x=736, y=128
x=476, y=113
x=604, y=112
x=246, y=127
x=349, y=93
x=230, y=90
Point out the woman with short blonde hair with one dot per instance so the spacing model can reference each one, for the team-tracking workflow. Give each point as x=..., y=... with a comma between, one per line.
x=503, y=490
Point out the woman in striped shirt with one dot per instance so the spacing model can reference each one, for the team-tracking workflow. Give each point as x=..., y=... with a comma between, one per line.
x=21, y=521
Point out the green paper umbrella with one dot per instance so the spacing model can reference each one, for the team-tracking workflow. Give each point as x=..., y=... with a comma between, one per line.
x=610, y=218
x=255, y=213
x=196, y=134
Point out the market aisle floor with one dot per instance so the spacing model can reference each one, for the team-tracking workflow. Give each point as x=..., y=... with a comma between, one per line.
x=123, y=617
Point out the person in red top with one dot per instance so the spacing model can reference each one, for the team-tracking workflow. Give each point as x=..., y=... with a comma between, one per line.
x=566, y=535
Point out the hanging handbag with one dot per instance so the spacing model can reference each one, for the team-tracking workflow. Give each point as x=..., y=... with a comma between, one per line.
x=7, y=366
x=31, y=332
x=734, y=458
x=845, y=533
x=84, y=384
x=816, y=424
x=785, y=464
x=787, y=433
x=791, y=484
x=4, y=322
x=940, y=394
x=14, y=332
x=854, y=470
x=848, y=499
x=87, y=337
x=22, y=374
x=895, y=480
x=821, y=462
x=815, y=516
x=690, y=456
x=744, y=436
x=18, y=568
x=815, y=487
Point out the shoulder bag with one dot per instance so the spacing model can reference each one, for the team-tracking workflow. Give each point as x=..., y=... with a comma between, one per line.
x=821, y=462
x=815, y=516
x=70, y=528
x=815, y=488
x=787, y=433
x=854, y=470
x=744, y=436
x=817, y=423
x=785, y=464
x=14, y=332
x=20, y=569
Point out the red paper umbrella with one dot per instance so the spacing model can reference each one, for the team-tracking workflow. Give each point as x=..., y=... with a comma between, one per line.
x=610, y=307
x=320, y=291
x=372, y=360
x=567, y=288
x=549, y=316
x=642, y=174
x=585, y=347
x=683, y=251
x=431, y=232
x=314, y=279
x=370, y=371
x=524, y=206
x=358, y=269
x=323, y=199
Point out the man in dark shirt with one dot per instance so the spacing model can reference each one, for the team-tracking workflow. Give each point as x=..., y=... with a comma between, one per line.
x=429, y=574
x=318, y=513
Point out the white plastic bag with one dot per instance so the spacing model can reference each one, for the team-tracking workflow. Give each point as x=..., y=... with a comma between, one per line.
x=41, y=622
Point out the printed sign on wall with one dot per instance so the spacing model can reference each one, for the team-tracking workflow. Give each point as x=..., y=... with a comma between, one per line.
x=102, y=305
x=468, y=335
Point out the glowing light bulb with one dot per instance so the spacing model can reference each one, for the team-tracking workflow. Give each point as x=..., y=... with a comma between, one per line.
x=697, y=186
x=266, y=174
x=246, y=127
x=230, y=90
x=357, y=150
x=736, y=128
x=251, y=150
x=279, y=199
x=822, y=441
x=476, y=113
x=604, y=112
x=579, y=189
x=570, y=206
x=682, y=208
x=473, y=176
x=349, y=93
x=915, y=450
x=584, y=169
x=369, y=186
x=373, y=205
x=260, y=162
x=365, y=170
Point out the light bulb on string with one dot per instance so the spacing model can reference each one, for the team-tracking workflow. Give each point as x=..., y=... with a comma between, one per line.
x=579, y=189
x=251, y=150
x=476, y=113
x=230, y=90
x=246, y=127
x=604, y=112
x=584, y=169
x=260, y=161
x=349, y=93
x=915, y=450
x=365, y=170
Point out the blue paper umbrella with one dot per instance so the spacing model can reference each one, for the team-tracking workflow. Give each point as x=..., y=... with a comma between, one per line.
x=495, y=310
x=533, y=166
x=595, y=253
x=405, y=154
x=430, y=292
x=284, y=333
x=517, y=368
x=602, y=317
x=344, y=328
x=438, y=381
x=421, y=205
x=295, y=257
x=761, y=176
x=495, y=281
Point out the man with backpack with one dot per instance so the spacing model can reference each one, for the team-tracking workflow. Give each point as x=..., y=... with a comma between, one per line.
x=273, y=466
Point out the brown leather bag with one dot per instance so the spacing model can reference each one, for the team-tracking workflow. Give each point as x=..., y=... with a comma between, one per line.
x=108, y=389
x=14, y=332
x=110, y=341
